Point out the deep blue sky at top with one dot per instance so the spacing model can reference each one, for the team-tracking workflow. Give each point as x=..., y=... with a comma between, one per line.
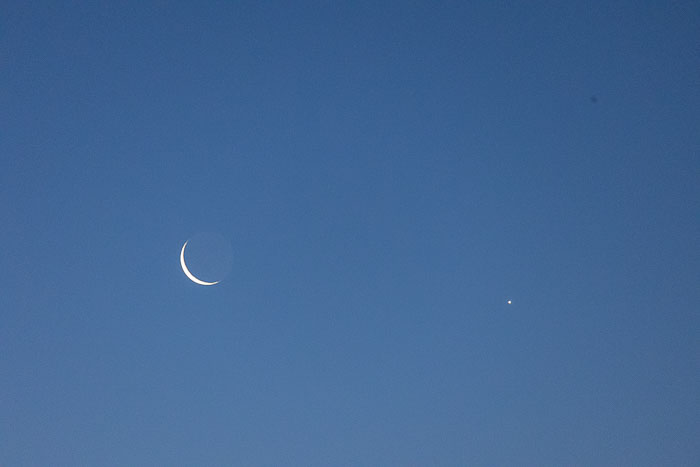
x=389, y=174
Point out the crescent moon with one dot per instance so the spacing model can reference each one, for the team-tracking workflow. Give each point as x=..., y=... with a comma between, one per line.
x=187, y=271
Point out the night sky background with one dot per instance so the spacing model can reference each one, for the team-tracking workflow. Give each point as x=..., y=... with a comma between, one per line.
x=388, y=175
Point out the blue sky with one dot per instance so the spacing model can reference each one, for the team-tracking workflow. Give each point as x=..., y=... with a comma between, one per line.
x=388, y=175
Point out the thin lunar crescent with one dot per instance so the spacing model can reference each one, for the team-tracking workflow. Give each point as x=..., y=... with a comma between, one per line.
x=187, y=271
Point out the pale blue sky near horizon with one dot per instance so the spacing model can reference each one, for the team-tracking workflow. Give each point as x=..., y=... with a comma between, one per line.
x=388, y=175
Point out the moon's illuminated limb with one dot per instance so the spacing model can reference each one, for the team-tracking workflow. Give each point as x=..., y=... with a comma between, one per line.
x=187, y=271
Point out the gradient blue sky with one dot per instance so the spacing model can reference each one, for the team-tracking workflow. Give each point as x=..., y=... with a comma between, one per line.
x=388, y=174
